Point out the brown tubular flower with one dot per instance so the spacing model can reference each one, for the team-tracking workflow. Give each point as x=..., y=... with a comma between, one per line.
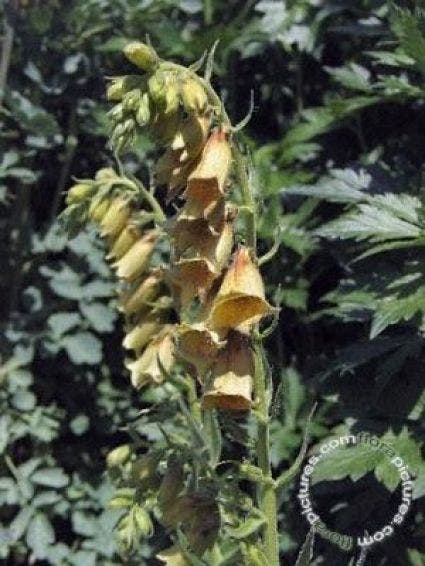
x=230, y=388
x=241, y=298
x=156, y=361
x=180, y=158
x=135, y=262
x=206, y=183
x=198, y=345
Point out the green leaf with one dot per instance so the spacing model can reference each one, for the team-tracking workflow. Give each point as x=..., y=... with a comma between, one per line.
x=50, y=477
x=100, y=316
x=40, y=535
x=62, y=322
x=83, y=348
x=392, y=309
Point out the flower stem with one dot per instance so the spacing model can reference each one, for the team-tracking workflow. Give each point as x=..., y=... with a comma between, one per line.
x=266, y=493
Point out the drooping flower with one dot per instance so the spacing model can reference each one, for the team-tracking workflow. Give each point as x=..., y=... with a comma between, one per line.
x=140, y=335
x=135, y=262
x=135, y=299
x=128, y=236
x=241, y=298
x=156, y=361
x=231, y=382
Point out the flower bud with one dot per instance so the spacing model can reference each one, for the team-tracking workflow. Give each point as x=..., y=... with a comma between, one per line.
x=115, y=218
x=106, y=174
x=141, y=55
x=78, y=192
x=172, y=556
x=143, y=521
x=132, y=100
x=143, y=112
x=98, y=208
x=155, y=362
x=241, y=298
x=129, y=235
x=135, y=300
x=142, y=332
x=232, y=374
x=194, y=96
x=117, y=114
x=144, y=471
x=118, y=456
x=116, y=89
x=136, y=260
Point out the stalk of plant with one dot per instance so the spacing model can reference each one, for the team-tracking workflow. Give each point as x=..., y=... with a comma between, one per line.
x=194, y=304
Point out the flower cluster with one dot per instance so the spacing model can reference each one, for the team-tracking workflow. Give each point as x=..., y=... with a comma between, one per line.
x=190, y=294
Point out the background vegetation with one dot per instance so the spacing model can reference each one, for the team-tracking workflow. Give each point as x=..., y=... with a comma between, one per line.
x=337, y=138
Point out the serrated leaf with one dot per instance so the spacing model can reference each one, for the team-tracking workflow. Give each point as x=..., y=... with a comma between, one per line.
x=393, y=309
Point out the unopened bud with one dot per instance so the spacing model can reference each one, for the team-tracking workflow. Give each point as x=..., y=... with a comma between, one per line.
x=141, y=55
x=143, y=521
x=78, y=193
x=194, y=97
x=118, y=456
x=143, y=112
x=132, y=100
x=115, y=90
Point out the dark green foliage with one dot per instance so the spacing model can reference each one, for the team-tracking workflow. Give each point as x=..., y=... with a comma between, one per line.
x=337, y=141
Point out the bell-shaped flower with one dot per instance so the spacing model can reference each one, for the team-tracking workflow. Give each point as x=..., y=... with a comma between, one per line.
x=230, y=386
x=156, y=361
x=136, y=260
x=172, y=556
x=206, y=183
x=198, y=345
x=241, y=297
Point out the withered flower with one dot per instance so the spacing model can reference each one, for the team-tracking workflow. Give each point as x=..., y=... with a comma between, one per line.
x=231, y=384
x=136, y=260
x=241, y=298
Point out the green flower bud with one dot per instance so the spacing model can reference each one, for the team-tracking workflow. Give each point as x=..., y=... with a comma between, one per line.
x=118, y=456
x=143, y=113
x=143, y=521
x=141, y=55
x=193, y=96
x=116, y=90
x=116, y=114
x=78, y=193
x=157, y=87
x=132, y=100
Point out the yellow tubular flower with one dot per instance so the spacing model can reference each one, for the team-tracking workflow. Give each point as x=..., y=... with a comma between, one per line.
x=98, y=208
x=129, y=235
x=135, y=300
x=232, y=376
x=156, y=360
x=136, y=260
x=241, y=298
x=142, y=332
x=115, y=219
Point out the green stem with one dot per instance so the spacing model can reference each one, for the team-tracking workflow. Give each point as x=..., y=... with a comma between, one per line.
x=247, y=196
x=266, y=493
x=148, y=197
